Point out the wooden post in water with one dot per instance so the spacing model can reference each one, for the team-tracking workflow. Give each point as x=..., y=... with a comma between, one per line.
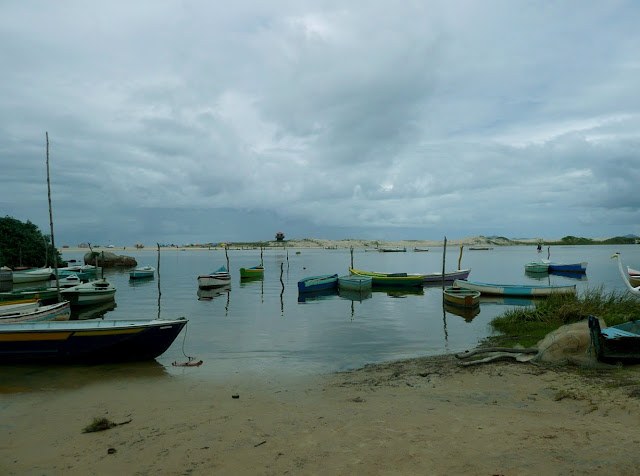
x=261, y=261
x=444, y=255
x=227, y=255
x=53, y=243
x=460, y=258
x=158, y=270
x=352, y=257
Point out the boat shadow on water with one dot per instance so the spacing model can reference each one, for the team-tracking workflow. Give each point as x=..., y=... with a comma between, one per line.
x=95, y=311
x=467, y=313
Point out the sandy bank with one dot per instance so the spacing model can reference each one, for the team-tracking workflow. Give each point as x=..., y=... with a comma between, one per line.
x=415, y=417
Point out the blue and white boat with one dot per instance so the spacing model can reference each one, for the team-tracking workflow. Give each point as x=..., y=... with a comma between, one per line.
x=515, y=289
x=317, y=283
x=143, y=272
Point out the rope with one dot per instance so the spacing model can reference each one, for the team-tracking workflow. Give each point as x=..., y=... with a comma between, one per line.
x=190, y=362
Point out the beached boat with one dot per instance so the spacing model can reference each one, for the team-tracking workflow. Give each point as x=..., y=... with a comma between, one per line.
x=32, y=275
x=536, y=267
x=353, y=282
x=255, y=272
x=318, y=283
x=218, y=278
x=461, y=297
x=448, y=276
x=54, y=312
x=515, y=289
x=142, y=272
x=619, y=343
x=88, y=341
x=566, y=267
x=86, y=294
x=390, y=279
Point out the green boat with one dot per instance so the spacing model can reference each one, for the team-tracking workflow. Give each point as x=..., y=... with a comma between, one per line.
x=391, y=279
x=43, y=294
x=255, y=272
x=536, y=267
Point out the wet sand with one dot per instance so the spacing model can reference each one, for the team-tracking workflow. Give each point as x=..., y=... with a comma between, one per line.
x=420, y=416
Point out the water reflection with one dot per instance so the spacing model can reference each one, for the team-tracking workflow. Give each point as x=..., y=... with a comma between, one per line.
x=95, y=311
x=467, y=313
x=310, y=296
x=355, y=295
x=397, y=292
x=209, y=294
x=509, y=301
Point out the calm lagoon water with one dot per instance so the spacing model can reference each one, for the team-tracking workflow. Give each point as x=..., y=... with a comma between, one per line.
x=264, y=327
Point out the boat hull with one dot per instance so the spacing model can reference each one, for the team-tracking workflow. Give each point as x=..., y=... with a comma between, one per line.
x=87, y=341
x=94, y=292
x=579, y=268
x=255, y=272
x=355, y=283
x=142, y=273
x=318, y=283
x=32, y=276
x=619, y=343
x=515, y=289
x=448, y=276
x=461, y=297
x=54, y=312
x=536, y=267
x=210, y=282
x=390, y=280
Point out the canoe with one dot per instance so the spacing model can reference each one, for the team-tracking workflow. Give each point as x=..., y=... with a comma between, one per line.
x=142, y=272
x=566, y=267
x=54, y=312
x=461, y=297
x=318, y=283
x=536, y=267
x=255, y=272
x=515, y=289
x=216, y=279
x=86, y=294
x=448, y=276
x=386, y=279
x=90, y=341
x=355, y=282
x=619, y=343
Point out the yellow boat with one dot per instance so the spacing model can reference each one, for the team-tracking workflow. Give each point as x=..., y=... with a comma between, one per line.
x=391, y=279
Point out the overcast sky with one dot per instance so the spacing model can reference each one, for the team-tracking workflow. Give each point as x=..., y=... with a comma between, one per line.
x=195, y=121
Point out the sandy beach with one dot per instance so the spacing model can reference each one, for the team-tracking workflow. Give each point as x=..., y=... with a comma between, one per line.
x=414, y=417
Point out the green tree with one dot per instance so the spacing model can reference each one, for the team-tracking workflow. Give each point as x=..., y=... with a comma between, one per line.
x=24, y=244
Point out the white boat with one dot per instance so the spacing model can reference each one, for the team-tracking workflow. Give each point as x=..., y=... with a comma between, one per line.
x=32, y=275
x=143, y=272
x=220, y=277
x=69, y=281
x=633, y=272
x=25, y=306
x=448, y=276
x=60, y=311
x=93, y=292
x=6, y=274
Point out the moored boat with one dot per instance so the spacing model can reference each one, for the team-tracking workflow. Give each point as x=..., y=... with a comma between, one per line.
x=392, y=250
x=54, y=312
x=216, y=279
x=354, y=282
x=515, y=289
x=632, y=272
x=390, y=279
x=44, y=294
x=318, y=283
x=93, y=292
x=89, y=341
x=142, y=272
x=32, y=275
x=536, y=267
x=255, y=272
x=461, y=297
x=436, y=277
x=566, y=267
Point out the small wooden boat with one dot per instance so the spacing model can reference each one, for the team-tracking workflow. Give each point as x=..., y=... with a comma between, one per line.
x=566, y=267
x=89, y=341
x=480, y=248
x=26, y=305
x=391, y=279
x=354, y=282
x=255, y=272
x=318, y=283
x=218, y=278
x=448, y=276
x=420, y=249
x=515, y=289
x=32, y=275
x=619, y=343
x=392, y=250
x=536, y=267
x=461, y=297
x=86, y=294
x=142, y=272
x=44, y=294
x=54, y=312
